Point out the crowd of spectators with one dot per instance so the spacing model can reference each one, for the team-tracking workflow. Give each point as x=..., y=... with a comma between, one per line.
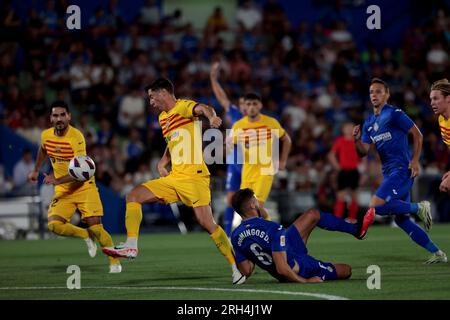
x=312, y=77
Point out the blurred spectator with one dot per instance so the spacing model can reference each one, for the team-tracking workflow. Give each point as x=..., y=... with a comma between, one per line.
x=21, y=171
x=248, y=16
x=150, y=13
x=217, y=21
x=132, y=109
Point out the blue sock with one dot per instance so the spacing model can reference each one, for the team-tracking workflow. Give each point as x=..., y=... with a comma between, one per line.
x=416, y=233
x=396, y=207
x=228, y=220
x=332, y=223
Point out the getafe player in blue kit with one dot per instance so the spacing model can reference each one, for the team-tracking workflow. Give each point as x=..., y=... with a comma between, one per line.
x=234, y=166
x=282, y=252
x=387, y=129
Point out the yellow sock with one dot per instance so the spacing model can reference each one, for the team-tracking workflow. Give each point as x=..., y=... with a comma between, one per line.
x=223, y=244
x=133, y=218
x=104, y=238
x=67, y=229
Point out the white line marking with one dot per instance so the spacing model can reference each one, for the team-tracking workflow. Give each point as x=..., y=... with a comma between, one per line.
x=291, y=293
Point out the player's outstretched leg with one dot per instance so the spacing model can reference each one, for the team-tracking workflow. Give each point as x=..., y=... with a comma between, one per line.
x=59, y=226
x=104, y=238
x=205, y=219
x=400, y=207
x=420, y=237
x=133, y=218
x=330, y=222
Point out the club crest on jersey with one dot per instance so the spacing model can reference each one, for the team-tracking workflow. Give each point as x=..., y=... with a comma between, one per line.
x=375, y=127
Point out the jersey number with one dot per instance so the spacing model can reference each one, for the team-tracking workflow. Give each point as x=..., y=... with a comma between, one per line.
x=262, y=256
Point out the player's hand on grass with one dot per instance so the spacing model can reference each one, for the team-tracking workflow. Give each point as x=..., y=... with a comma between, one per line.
x=414, y=166
x=357, y=132
x=215, y=122
x=314, y=280
x=33, y=176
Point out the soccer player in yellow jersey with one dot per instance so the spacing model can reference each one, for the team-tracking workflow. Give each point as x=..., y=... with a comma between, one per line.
x=188, y=180
x=255, y=134
x=440, y=103
x=61, y=143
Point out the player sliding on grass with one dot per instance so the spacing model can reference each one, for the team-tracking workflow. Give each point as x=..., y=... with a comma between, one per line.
x=282, y=252
x=387, y=129
x=188, y=181
x=61, y=143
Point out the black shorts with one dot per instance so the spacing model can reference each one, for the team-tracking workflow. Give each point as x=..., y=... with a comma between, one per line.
x=348, y=179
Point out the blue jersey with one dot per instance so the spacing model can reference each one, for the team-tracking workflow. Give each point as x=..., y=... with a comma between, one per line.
x=255, y=239
x=235, y=114
x=389, y=133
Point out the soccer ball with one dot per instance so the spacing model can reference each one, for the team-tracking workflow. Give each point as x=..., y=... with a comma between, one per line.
x=81, y=168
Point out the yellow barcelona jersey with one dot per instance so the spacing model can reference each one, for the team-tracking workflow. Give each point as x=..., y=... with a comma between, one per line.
x=183, y=134
x=256, y=140
x=444, y=124
x=61, y=150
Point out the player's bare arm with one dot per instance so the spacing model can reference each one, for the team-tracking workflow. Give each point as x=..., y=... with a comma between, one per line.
x=41, y=156
x=50, y=179
x=285, y=149
x=333, y=160
x=207, y=111
x=162, y=164
x=362, y=149
x=217, y=88
x=417, y=148
x=246, y=267
x=283, y=268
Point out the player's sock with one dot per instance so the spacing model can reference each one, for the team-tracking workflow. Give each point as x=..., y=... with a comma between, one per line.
x=67, y=229
x=339, y=207
x=228, y=220
x=396, y=207
x=353, y=210
x=416, y=233
x=223, y=244
x=332, y=223
x=133, y=218
x=104, y=238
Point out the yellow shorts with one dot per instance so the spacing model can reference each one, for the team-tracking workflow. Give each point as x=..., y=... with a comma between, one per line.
x=192, y=191
x=261, y=187
x=87, y=202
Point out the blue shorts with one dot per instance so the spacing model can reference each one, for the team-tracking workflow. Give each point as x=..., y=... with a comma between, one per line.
x=309, y=266
x=396, y=186
x=233, y=182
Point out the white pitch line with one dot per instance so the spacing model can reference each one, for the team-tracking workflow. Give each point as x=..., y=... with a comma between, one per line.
x=291, y=293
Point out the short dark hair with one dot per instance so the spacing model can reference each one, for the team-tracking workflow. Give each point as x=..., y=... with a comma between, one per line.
x=240, y=198
x=159, y=84
x=378, y=80
x=252, y=96
x=59, y=104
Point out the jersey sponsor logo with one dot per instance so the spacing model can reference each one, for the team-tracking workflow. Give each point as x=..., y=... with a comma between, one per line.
x=386, y=136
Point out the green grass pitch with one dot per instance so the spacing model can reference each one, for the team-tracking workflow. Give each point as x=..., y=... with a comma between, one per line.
x=173, y=266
